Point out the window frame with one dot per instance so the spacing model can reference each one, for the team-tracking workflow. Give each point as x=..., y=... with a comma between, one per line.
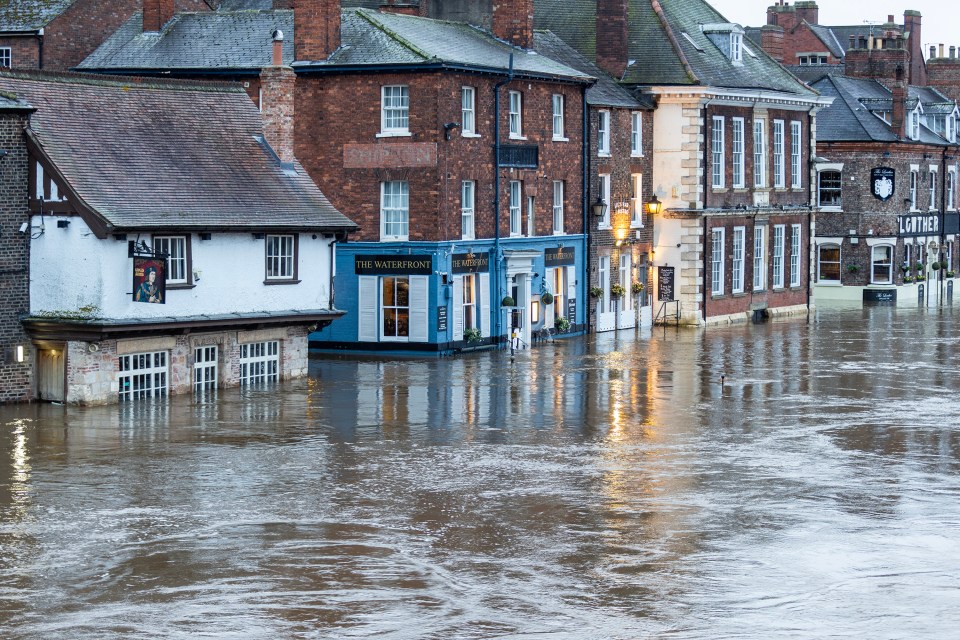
x=176, y=283
x=820, y=249
x=468, y=112
x=796, y=245
x=636, y=134
x=796, y=154
x=468, y=195
x=933, y=206
x=717, y=254
x=738, y=264
x=293, y=257
x=559, y=194
x=759, y=258
x=604, y=187
x=737, y=157
x=891, y=250
x=951, y=188
x=206, y=370
x=383, y=306
x=838, y=206
x=603, y=132
x=387, y=112
x=636, y=209
x=6, y=54
x=759, y=154
x=717, y=152
x=779, y=261
x=402, y=211
x=736, y=47
x=515, y=122
x=253, y=356
x=141, y=368
x=914, y=188
x=779, y=159
x=516, y=208
x=559, y=117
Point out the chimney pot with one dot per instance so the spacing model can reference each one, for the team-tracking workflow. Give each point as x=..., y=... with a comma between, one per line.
x=933, y=51
x=953, y=52
x=941, y=50
x=890, y=19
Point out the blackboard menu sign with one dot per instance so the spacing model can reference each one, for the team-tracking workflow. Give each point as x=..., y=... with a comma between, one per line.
x=572, y=311
x=665, y=281
x=442, y=318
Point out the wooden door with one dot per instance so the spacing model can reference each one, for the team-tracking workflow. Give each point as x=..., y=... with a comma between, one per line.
x=51, y=375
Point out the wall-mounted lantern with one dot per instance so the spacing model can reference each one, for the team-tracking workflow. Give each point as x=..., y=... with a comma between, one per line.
x=599, y=208
x=654, y=206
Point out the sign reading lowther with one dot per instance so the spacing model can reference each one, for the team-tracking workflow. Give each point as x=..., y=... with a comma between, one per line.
x=883, y=182
x=918, y=225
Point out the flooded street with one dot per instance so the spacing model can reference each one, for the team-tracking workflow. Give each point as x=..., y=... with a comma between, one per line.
x=606, y=487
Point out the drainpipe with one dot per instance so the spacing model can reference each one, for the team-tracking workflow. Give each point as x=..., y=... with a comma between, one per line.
x=587, y=200
x=943, y=218
x=811, y=191
x=706, y=189
x=496, y=195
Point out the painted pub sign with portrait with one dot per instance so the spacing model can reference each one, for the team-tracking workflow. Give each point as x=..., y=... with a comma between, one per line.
x=149, y=280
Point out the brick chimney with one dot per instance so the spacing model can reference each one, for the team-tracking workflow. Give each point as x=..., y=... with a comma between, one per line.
x=277, y=84
x=883, y=65
x=899, y=113
x=316, y=29
x=807, y=10
x=406, y=7
x=771, y=41
x=917, y=73
x=513, y=21
x=612, y=36
x=783, y=15
x=156, y=13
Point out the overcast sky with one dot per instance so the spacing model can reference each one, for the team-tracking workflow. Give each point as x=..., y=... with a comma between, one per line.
x=941, y=18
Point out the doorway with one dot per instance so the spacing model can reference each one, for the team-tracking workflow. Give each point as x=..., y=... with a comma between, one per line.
x=52, y=375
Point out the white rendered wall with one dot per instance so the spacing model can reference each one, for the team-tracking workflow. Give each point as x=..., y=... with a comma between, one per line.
x=73, y=271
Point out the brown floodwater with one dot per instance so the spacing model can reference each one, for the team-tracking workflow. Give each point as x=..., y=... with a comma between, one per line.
x=607, y=487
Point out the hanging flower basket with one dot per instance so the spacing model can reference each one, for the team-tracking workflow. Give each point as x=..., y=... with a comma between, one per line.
x=596, y=292
x=935, y=266
x=918, y=266
x=546, y=298
x=617, y=290
x=636, y=287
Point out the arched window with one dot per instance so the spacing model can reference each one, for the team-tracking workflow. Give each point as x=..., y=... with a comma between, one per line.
x=828, y=263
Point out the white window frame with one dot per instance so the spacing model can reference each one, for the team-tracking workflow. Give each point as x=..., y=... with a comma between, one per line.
x=933, y=187
x=516, y=203
x=796, y=155
x=205, y=370
x=281, y=256
x=718, y=167
x=558, y=208
x=394, y=110
x=468, y=112
x=636, y=202
x=394, y=211
x=891, y=249
x=795, y=246
x=558, y=118
x=779, y=160
x=915, y=124
x=516, y=115
x=759, y=154
x=736, y=48
x=175, y=248
x=604, y=185
x=737, y=157
x=468, y=192
x=914, y=187
x=603, y=273
x=820, y=248
x=603, y=133
x=779, y=244
x=626, y=268
x=383, y=307
x=759, y=257
x=717, y=238
x=6, y=57
x=259, y=362
x=636, y=134
x=951, y=188
x=142, y=376
x=820, y=191
x=737, y=266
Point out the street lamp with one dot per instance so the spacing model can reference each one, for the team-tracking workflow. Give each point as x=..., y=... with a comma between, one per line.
x=599, y=208
x=654, y=206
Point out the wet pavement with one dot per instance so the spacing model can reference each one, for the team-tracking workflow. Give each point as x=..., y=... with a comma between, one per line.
x=608, y=487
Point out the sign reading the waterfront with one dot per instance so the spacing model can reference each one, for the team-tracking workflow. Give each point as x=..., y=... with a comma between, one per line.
x=572, y=311
x=393, y=265
x=883, y=183
x=880, y=296
x=149, y=280
x=918, y=225
x=665, y=277
x=471, y=262
x=560, y=257
x=442, y=318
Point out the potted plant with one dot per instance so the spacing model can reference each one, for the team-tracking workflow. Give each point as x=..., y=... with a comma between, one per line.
x=471, y=335
x=508, y=301
x=562, y=323
x=546, y=298
x=596, y=292
x=935, y=266
x=617, y=290
x=950, y=274
x=907, y=279
x=921, y=277
x=636, y=287
x=918, y=266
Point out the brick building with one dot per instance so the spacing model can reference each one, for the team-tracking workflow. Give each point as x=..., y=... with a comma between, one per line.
x=734, y=136
x=16, y=359
x=58, y=34
x=401, y=129
x=168, y=252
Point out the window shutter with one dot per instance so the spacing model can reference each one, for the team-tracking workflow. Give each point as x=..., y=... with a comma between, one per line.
x=548, y=311
x=484, y=317
x=571, y=286
x=368, y=307
x=458, y=308
x=419, y=308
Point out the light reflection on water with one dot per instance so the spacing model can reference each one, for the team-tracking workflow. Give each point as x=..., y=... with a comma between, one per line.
x=603, y=488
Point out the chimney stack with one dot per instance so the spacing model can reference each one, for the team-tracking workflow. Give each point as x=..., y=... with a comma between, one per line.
x=899, y=114
x=771, y=41
x=612, y=36
x=917, y=73
x=807, y=10
x=316, y=29
x=156, y=13
x=277, y=84
x=513, y=21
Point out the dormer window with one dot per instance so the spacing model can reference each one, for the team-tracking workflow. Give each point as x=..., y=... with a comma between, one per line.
x=736, y=48
x=727, y=37
x=915, y=124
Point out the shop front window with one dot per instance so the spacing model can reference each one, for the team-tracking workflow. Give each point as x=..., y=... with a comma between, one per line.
x=395, y=293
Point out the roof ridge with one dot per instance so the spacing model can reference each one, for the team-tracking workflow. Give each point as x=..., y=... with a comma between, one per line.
x=392, y=34
x=122, y=82
x=672, y=38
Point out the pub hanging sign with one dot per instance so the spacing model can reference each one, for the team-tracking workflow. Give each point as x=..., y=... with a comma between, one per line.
x=883, y=182
x=559, y=257
x=471, y=262
x=400, y=265
x=150, y=279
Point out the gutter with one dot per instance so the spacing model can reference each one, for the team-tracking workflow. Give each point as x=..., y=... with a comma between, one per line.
x=496, y=194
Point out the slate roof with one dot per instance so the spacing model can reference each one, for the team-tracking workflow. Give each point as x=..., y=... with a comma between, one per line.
x=150, y=155
x=812, y=73
x=606, y=92
x=242, y=40
x=829, y=38
x=209, y=40
x=850, y=117
x=10, y=102
x=658, y=57
x=30, y=15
